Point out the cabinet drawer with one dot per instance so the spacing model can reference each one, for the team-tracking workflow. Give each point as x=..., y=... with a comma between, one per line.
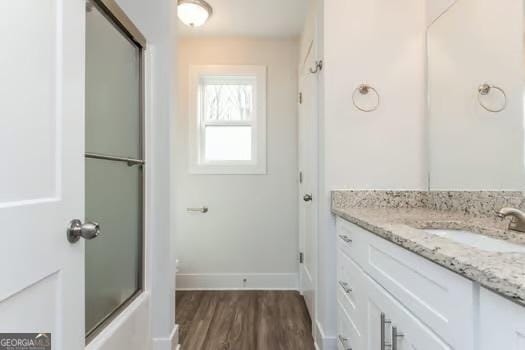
x=348, y=282
x=350, y=278
x=348, y=337
x=350, y=241
x=350, y=298
x=428, y=290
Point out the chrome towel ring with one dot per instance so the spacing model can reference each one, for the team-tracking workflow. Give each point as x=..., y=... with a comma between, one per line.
x=484, y=90
x=364, y=90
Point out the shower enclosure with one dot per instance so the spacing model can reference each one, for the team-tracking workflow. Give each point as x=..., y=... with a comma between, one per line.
x=114, y=162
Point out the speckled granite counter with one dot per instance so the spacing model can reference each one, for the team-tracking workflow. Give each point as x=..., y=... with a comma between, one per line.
x=400, y=217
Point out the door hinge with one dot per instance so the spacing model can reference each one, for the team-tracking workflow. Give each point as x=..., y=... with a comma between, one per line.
x=300, y=177
x=300, y=98
x=301, y=257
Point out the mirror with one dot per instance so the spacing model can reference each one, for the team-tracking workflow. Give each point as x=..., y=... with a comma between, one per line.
x=476, y=69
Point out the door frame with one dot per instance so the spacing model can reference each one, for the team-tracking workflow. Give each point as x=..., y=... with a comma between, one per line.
x=118, y=18
x=315, y=51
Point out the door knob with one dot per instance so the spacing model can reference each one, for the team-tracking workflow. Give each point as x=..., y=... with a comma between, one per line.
x=307, y=198
x=77, y=230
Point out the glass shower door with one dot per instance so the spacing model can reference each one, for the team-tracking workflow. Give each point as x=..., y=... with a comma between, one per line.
x=114, y=166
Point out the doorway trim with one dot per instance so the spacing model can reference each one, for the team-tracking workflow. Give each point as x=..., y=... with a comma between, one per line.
x=118, y=16
x=312, y=48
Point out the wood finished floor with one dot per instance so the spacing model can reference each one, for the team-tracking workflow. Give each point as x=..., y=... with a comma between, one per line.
x=243, y=320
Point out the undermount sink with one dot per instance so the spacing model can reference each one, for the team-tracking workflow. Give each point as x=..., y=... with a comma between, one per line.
x=479, y=241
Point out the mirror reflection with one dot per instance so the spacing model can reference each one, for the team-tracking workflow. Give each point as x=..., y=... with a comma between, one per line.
x=475, y=84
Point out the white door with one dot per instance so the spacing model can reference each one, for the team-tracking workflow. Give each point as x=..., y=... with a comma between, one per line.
x=42, y=171
x=308, y=177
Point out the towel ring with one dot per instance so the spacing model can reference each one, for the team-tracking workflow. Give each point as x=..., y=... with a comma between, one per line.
x=365, y=89
x=484, y=90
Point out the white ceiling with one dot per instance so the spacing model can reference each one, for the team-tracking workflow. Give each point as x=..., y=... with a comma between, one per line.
x=252, y=18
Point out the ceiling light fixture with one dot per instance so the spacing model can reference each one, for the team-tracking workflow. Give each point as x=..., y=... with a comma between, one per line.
x=194, y=13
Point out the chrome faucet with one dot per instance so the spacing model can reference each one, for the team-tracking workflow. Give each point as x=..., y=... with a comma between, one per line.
x=518, y=218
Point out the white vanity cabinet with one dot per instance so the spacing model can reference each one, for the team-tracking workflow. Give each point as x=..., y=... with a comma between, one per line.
x=428, y=306
x=502, y=323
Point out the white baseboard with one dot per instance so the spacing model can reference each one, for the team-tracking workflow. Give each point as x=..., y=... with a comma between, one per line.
x=322, y=342
x=238, y=281
x=170, y=343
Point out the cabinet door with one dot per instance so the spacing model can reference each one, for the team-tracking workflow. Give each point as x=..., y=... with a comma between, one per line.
x=413, y=334
x=375, y=325
x=502, y=323
x=346, y=330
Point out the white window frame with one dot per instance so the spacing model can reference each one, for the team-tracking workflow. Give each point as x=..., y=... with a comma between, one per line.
x=198, y=163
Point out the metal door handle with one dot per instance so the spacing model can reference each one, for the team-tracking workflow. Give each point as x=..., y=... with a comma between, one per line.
x=77, y=230
x=395, y=336
x=307, y=197
x=203, y=210
x=343, y=341
x=345, y=238
x=384, y=321
x=345, y=287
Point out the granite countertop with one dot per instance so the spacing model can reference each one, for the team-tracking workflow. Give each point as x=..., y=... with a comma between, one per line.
x=400, y=217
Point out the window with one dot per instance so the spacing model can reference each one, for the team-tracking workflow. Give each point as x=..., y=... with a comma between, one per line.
x=227, y=119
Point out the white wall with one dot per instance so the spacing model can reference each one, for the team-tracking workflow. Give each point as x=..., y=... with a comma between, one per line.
x=251, y=227
x=155, y=19
x=476, y=42
x=382, y=43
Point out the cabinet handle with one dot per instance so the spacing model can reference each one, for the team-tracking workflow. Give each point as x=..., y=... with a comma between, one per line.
x=384, y=321
x=345, y=238
x=203, y=210
x=345, y=287
x=395, y=336
x=343, y=341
